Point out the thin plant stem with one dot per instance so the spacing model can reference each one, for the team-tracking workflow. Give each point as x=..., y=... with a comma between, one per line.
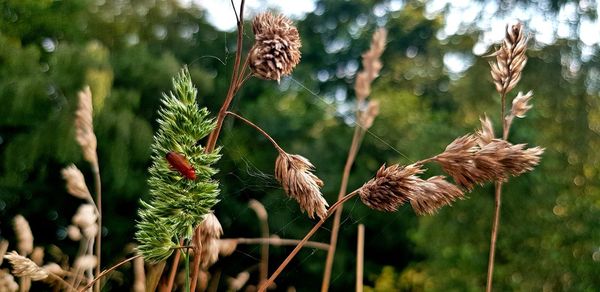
x=258, y=129
x=360, y=257
x=90, y=284
x=173, y=272
x=338, y=213
x=279, y=242
x=234, y=86
x=261, y=213
x=98, y=185
x=62, y=281
x=197, y=253
x=497, y=206
x=289, y=258
x=187, y=270
x=212, y=139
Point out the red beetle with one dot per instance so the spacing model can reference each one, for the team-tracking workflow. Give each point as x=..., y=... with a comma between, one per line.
x=182, y=165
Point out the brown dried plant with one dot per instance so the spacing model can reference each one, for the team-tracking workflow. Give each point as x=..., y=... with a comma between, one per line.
x=24, y=235
x=294, y=172
x=276, y=49
x=24, y=267
x=510, y=59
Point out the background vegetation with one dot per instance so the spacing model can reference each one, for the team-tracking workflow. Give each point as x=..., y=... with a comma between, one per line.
x=127, y=51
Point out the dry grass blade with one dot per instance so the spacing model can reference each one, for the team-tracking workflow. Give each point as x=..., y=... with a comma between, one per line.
x=294, y=172
x=76, y=185
x=520, y=105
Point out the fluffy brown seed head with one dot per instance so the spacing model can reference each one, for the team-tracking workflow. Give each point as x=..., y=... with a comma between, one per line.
x=276, y=49
x=294, y=172
x=23, y=234
x=391, y=187
x=210, y=232
x=436, y=192
x=76, y=182
x=458, y=161
x=371, y=65
x=510, y=59
x=520, y=105
x=518, y=160
x=84, y=127
x=24, y=267
x=367, y=117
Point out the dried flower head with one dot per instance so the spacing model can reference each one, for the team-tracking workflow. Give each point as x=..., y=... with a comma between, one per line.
x=391, y=187
x=23, y=234
x=210, y=231
x=371, y=65
x=510, y=59
x=84, y=127
x=520, y=104
x=367, y=117
x=76, y=182
x=486, y=133
x=471, y=162
x=276, y=49
x=24, y=267
x=436, y=192
x=86, y=215
x=85, y=262
x=294, y=172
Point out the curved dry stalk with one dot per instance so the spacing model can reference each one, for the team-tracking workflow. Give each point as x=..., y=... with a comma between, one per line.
x=289, y=258
x=262, y=215
x=98, y=185
x=95, y=280
x=259, y=129
x=279, y=242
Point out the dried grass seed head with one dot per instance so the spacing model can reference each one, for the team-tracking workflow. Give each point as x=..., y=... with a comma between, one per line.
x=520, y=105
x=74, y=233
x=391, y=187
x=211, y=227
x=294, y=172
x=23, y=234
x=371, y=65
x=84, y=127
x=367, y=117
x=276, y=49
x=76, y=185
x=85, y=216
x=436, y=192
x=24, y=267
x=510, y=59
x=486, y=133
x=85, y=262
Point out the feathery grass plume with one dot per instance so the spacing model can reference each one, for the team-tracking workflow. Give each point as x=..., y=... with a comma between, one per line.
x=76, y=182
x=436, y=192
x=210, y=231
x=294, y=172
x=391, y=187
x=516, y=160
x=177, y=204
x=54, y=268
x=84, y=127
x=24, y=267
x=23, y=234
x=7, y=282
x=86, y=218
x=371, y=65
x=276, y=49
x=520, y=104
x=510, y=59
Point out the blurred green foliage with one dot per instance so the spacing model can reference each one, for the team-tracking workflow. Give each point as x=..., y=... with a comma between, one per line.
x=128, y=51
